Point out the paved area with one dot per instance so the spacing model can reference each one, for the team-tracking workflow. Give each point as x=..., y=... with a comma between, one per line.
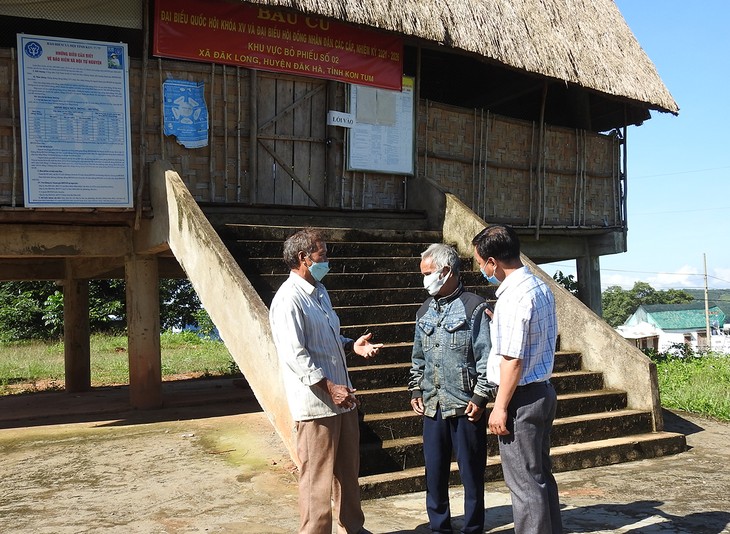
x=210, y=462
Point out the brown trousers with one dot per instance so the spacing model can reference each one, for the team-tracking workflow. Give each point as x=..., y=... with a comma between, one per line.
x=329, y=450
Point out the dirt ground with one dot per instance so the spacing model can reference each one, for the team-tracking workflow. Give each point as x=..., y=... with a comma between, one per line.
x=89, y=465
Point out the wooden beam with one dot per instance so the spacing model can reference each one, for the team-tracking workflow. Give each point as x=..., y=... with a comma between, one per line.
x=64, y=241
x=32, y=269
x=143, y=332
x=76, y=335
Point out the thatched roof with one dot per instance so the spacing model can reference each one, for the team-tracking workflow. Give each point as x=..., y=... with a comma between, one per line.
x=582, y=42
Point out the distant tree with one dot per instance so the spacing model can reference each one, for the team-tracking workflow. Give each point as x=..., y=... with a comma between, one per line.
x=618, y=303
x=179, y=304
x=567, y=281
x=34, y=310
x=22, y=310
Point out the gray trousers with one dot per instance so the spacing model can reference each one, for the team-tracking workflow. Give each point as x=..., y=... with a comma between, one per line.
x=525, y=454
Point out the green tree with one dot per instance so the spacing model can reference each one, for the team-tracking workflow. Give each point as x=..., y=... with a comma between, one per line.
x=619, y=304
x=34, y=310
x=22, y=309
x=567, y=281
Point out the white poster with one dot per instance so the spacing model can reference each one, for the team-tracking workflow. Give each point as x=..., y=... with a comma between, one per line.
x=75, y=122
x=381, y=139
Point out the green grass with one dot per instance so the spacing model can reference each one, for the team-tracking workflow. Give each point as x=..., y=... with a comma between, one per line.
x=696, y=384
x=34, y=365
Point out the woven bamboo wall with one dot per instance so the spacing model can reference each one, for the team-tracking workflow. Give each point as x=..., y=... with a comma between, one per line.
x=494, y=165
x=488, y=161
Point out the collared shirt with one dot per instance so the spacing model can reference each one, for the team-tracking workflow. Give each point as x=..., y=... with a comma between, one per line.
x=306, y=331
x=524, y=326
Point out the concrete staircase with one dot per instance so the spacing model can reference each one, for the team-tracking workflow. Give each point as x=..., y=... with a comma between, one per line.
x=375, y=286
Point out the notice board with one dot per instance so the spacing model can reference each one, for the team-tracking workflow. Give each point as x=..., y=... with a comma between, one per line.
x=74, y=122
x=382, y=137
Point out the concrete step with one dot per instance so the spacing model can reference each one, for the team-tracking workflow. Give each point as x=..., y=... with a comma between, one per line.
x=401, y=353
x=257, y=248
x=388, y=377
x=377, y=313
x=295, y=216
x=234, y=232
x=382, y=453
x=565, y=458
x=380, y=428
x=340, y=265
x=397, y=398
x=395, y=332
x=368, y=281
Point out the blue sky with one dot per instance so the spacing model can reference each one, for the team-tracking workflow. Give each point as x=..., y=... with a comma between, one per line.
x=678, y=166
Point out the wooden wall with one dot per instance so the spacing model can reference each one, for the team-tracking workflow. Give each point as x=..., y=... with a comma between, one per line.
x=503, y=168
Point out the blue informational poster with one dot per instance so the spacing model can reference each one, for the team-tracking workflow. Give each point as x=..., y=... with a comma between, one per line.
x=75, y=122
x=185, y=113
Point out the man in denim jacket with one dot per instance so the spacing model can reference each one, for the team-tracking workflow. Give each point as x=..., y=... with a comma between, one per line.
x=449, y=388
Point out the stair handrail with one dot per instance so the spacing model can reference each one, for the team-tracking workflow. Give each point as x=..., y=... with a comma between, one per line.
x=225, y=292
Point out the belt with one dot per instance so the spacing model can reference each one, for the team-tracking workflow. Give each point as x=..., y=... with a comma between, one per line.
x=533, y=384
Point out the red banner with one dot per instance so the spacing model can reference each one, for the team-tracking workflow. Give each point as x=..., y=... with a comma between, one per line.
x=259, y=37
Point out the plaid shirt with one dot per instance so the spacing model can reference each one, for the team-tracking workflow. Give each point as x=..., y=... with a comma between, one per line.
x=524, y=326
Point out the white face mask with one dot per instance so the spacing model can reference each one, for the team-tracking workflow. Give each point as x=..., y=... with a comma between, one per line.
x=433, y=284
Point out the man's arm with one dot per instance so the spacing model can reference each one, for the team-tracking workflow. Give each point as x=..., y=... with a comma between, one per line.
x=510, y=371
x=418, y=364
x=481, y=345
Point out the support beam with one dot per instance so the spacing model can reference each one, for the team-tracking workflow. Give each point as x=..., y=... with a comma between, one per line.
x=44, y=240
x=76, y=333
x=143, y=331
x=588, y=270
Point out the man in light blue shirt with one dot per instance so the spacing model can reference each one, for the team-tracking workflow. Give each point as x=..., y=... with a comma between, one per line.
x=524, y=331
x=306, y=331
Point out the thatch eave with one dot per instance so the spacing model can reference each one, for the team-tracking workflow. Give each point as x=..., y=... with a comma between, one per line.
x=586, y=43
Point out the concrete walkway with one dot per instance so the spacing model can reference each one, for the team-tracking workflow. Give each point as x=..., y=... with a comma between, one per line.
x=210, y=462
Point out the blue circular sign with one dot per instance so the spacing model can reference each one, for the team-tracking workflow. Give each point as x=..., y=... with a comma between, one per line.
x=33, y=49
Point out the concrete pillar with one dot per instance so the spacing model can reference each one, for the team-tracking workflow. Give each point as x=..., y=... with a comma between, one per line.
x=76, y=333
x=588, y=270
x=143, y=331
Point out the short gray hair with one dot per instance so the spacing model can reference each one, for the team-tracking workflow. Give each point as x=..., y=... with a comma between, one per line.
x=306, y=240
x=443, y=256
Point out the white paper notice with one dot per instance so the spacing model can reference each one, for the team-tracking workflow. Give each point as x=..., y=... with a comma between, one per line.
x=381, y=140
x=75, y=122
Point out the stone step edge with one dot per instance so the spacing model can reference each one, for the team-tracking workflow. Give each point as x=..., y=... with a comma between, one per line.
x=411, y=440
x=397, y=389
x=563, y=453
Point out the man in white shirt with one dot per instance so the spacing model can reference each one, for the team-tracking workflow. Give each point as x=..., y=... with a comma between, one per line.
x=524, y=331
x=321, y=398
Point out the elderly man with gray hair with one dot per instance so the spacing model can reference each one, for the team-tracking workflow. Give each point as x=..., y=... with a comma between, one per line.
x=449, y=388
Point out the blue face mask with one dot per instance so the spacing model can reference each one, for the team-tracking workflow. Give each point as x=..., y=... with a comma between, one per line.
x=491, y=279
x=319, y=269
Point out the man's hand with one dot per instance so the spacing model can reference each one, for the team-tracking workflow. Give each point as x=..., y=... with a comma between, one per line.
x=417, y=405
x=364, y=348
x=498, y=422
x=342, y=396
x=473, y=412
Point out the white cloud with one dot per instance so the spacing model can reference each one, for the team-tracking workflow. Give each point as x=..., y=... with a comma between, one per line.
x=719, y=279
x=687, y=277
x=625, y=281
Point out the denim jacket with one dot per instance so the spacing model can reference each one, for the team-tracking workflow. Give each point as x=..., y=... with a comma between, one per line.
x=450, y=350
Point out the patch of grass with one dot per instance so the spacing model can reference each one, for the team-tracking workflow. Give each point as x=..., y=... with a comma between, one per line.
x=696, y=384
x=34, y=362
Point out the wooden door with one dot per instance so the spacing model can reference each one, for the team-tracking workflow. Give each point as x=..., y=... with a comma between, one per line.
x=291, y=117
